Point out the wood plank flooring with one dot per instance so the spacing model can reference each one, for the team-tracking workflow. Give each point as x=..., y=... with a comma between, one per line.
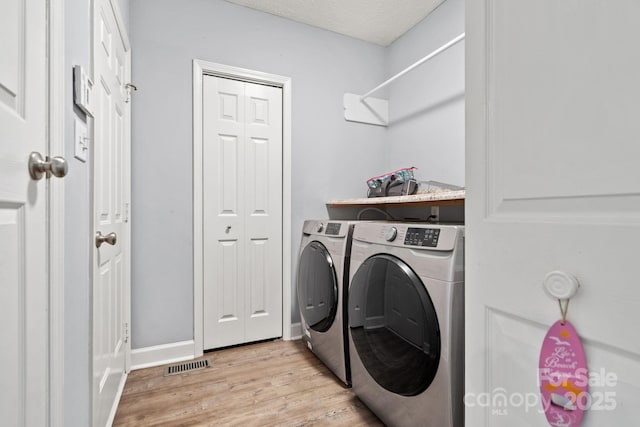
x=279, y=383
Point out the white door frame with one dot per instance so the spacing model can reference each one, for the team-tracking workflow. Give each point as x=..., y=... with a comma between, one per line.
x=201, y=68
x=55, y=131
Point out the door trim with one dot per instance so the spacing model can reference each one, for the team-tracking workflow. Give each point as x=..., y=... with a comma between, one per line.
x=55, y=132
x=201, y=68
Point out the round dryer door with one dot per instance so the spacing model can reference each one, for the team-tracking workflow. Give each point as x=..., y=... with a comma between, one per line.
x=317, y=287
x=393, y=325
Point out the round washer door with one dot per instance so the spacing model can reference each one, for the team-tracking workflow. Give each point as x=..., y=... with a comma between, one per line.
x=393, y=325
x=317, y=287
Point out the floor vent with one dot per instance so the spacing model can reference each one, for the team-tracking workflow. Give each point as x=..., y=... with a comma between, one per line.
x=182, y=368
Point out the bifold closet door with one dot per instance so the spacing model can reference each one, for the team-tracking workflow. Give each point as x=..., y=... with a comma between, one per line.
x=242, y=202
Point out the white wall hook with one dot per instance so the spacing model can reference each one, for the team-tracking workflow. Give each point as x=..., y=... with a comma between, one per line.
x=561, y=285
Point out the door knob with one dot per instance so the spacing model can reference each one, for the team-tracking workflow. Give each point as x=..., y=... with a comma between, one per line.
x=110, y=238
x=39, y=166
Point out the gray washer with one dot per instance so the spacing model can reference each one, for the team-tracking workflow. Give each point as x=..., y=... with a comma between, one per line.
x=323, y=268
x=406, y=322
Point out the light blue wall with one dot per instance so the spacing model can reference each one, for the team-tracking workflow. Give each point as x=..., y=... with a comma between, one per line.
x=331, y=157
x=427, y=104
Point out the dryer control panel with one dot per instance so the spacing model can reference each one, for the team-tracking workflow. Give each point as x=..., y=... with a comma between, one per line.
x=422, y=237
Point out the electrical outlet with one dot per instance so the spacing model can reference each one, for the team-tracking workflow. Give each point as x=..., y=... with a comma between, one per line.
x=81, y=142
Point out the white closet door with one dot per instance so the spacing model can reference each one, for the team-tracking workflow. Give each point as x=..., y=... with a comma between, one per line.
x=242, y=164
x=224, y=177
x=263, y=215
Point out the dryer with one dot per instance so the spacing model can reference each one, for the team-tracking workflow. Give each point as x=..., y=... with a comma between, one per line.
x=406, y=322
x=323, y=268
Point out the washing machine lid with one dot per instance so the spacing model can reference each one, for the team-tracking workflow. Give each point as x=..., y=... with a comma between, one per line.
x=317, y=287
x=393, y=325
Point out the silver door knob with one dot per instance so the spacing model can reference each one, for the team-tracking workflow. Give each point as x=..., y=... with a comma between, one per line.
x=39, y=166
x=110, y=238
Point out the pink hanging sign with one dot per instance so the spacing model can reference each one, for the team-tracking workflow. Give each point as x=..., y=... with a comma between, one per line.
x=563, y=375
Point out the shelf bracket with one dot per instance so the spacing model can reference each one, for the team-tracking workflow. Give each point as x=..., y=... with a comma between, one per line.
x=374, y=111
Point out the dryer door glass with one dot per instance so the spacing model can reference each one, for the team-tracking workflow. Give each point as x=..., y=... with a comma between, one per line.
x=393, y=325
x=317, y=287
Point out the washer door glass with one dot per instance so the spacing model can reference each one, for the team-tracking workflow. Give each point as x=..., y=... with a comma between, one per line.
x=393, y=325
x=317, y=287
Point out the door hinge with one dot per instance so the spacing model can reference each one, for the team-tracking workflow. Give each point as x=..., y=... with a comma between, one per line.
x=126, y=332
x=126, y=212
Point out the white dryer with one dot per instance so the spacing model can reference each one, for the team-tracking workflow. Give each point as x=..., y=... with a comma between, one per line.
x=323, y=268
x=406, y=322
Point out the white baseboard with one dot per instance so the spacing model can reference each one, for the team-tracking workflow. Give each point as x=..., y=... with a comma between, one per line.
x=157, y=355
x=296, y=331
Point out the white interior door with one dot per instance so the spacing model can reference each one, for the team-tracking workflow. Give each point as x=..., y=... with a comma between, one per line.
x=23, y=212
x=553, y=183
x=111, y=154
x=242, y=203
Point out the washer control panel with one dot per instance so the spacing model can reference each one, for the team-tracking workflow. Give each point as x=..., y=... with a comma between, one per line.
x=333, y=229
x=422, y=237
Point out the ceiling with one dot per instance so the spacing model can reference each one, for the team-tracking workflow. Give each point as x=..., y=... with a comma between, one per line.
x=375, y=21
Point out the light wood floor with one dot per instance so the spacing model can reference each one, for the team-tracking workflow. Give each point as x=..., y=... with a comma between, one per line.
x=278, y=383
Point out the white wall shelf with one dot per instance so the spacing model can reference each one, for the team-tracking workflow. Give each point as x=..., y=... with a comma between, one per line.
x=363, y=109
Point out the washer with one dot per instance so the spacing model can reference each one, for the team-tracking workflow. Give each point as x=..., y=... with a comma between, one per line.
x=323, y=268
x=406, y=322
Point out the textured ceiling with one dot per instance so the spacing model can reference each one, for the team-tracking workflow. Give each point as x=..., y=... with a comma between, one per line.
x=376, y=21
